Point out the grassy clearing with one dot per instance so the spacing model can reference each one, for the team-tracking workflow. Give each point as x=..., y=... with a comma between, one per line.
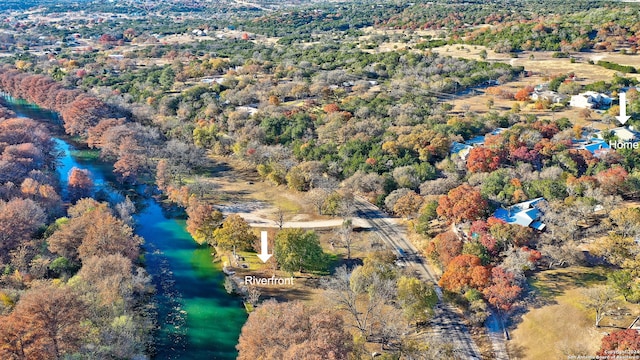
x=561, y=325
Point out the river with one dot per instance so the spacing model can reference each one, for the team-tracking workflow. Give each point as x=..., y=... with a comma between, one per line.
x=198, y=320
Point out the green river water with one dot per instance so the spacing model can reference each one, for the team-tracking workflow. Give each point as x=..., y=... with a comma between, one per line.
x=197, y=318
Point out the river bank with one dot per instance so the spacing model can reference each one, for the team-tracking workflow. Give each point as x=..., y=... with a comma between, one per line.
x=197, y=319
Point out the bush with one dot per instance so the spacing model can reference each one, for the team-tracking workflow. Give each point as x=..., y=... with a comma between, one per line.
x=617, y=67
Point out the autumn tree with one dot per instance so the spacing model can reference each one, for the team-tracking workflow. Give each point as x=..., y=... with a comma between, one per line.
x=110, y=275
x=462, y=203
x=444, y=247
x=235, y=233
x=482, y=159
x=464, y=272
x=163, y=175
x=79, y=183
x=291, y=331
x=619, y=340
x=203, y=219
x=299, y=250
x=502, y=290
x=408, y=205
x=19, y=219
x=612, y=180
x=524, y=93
x=108, y=235
x=54, y=318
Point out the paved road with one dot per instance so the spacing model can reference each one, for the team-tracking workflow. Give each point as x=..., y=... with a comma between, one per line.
x=446, y=323
x=496, y=335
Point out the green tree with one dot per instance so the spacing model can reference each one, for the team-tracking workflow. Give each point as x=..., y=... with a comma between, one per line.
x=234, y=234
x=167, y=77
x=299, y=250
x=416, y=298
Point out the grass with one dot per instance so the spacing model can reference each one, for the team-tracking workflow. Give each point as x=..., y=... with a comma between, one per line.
x=560, y=325
x=248, y=307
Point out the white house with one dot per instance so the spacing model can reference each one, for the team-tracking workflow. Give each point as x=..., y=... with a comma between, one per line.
x=590, y=100
x=623, y=133
x=550, y=96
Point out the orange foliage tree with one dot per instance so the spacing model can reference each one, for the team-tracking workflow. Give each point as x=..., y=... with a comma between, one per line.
x=612, y=180
x=47, y=323
x=464, y=272
x=291, y=331
x=503, y=289
x=79, y=184
x=627, y=339
x=482, y=159
x=445, y=247
x=462, y=203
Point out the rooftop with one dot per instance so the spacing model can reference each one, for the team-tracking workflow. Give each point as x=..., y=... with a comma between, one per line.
x=523, y=214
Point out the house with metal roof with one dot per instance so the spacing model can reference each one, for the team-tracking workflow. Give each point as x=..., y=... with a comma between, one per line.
x=461, y=149
x=623, y=133
x=595, y=146
x=524, y=214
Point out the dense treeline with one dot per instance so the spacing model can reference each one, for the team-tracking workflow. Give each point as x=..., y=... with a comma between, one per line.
x=522, y=25
x=69, y=287
x=131, y=146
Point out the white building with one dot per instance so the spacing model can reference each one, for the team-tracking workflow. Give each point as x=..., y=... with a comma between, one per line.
x=623, y=133
x=590, y=100
x=550, y=96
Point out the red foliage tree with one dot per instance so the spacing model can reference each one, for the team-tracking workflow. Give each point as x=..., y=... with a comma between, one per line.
x=463, y=272
x=482, y=159
x=612, y=180
x=524, y=154
x=628, y=339
x=331, y=108
x=503, y=289
x=462, y=203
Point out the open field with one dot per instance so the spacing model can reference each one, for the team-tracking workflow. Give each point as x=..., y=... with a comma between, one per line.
x=543, y=62
x=479, y=104
x=560, y=325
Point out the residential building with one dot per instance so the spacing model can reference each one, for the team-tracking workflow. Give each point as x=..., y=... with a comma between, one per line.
x=590, y=100
x=550, y=96
x=461, y=149
x=523, y=214
x=623, y=133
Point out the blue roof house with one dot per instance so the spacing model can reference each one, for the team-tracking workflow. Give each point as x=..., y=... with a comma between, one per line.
x=461, y=149
x=596, y=145
x=523, y=214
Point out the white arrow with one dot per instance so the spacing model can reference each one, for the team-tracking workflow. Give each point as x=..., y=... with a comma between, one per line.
x=623, y=109
x=264, y=247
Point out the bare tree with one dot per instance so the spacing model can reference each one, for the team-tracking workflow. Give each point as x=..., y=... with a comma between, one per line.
x=252, y=294
x=363, y=307
x=346, y=236
x=280, y=218
x=317, y=197
x=600, y=299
